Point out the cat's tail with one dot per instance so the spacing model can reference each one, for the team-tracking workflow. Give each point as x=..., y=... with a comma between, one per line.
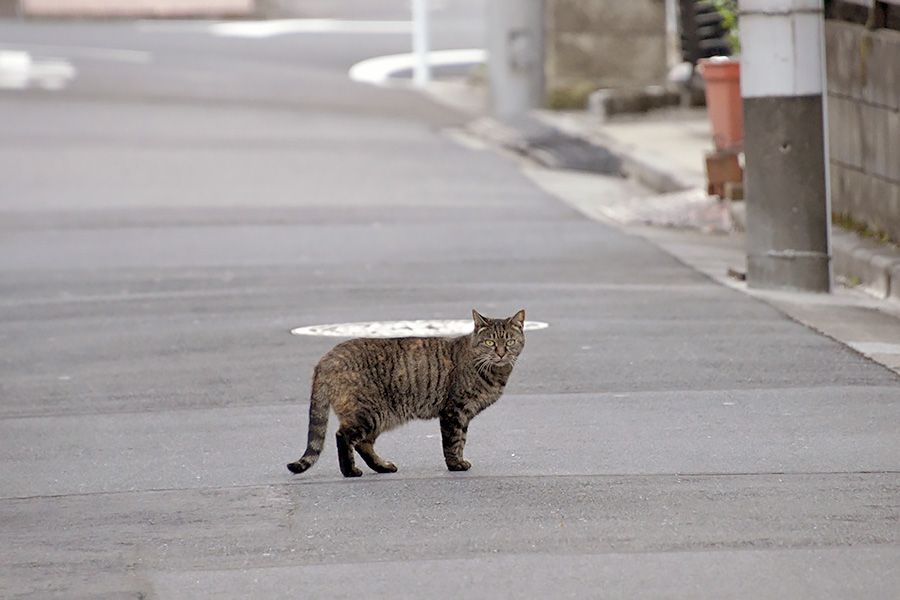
x=318, y=425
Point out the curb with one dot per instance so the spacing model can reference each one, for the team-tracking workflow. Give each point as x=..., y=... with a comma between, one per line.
x=649, y=170
x=559, y=141
x=549, y=146
x=858, y=262
x=522, y=137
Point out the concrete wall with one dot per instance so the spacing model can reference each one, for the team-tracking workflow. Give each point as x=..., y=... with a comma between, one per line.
x=9, y=8
x=135, y=8
x=863, y=69
x=606, y=43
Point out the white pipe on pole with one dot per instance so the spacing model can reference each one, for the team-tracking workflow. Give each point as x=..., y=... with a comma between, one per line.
x=420, y=42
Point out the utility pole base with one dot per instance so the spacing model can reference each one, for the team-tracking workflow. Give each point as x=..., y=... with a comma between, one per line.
x=787, y=245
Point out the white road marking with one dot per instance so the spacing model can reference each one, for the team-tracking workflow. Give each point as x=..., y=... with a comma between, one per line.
x=19, y=70
x=265, y=29
x=388, y=329
x=379, y=70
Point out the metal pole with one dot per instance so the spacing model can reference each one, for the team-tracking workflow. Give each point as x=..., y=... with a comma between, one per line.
x=421, y=69
x=782, y=43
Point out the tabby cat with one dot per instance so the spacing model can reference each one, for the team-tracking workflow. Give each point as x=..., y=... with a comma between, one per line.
x=375, y=385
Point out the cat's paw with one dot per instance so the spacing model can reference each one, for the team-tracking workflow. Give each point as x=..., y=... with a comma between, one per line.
x=354, y=472
x=460, y=465
x=387, y=467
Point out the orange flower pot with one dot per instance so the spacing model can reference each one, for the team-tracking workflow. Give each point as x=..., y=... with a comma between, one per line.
x=722, y=83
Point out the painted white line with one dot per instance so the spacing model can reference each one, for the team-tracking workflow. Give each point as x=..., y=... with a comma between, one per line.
x=379, y=70
x=19, y=71
x=15, y=69
x=264, y=29
x=388, y=329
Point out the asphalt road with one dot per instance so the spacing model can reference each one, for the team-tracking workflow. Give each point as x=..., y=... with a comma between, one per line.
x=187, y=199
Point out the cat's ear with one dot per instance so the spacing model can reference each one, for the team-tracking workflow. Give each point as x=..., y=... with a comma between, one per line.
x=518, y=319
x=480, y=322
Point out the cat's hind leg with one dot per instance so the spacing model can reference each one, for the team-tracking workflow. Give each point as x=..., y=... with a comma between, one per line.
x=366, y=449
x=347, y=439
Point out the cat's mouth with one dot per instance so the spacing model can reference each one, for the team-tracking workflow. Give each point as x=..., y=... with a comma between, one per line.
x=491, y=361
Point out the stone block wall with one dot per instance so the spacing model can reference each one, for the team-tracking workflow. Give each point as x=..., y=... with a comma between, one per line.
x=863, y=81
x=136, y=8
x=605, y=43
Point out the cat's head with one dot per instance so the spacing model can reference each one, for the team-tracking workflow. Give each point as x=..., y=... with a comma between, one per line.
x=498, y=341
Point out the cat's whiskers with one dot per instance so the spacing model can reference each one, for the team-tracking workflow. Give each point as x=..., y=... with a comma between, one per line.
x=486, y=362
x=482, y=363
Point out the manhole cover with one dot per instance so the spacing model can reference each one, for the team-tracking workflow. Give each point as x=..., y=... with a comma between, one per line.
x=386, y=329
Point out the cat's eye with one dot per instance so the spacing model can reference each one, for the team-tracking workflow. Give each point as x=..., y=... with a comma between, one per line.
x=490, y=343
x=510, y=342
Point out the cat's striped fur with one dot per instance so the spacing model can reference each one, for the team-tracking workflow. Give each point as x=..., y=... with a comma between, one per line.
x=375, y=385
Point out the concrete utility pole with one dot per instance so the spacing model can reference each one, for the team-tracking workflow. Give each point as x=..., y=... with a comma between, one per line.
x=782, y=73
x=515, y=55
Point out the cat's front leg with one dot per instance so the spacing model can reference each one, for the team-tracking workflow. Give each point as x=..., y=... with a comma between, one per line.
x=453, y=438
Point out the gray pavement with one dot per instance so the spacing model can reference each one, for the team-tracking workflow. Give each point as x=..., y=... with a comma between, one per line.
x=668, y=435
